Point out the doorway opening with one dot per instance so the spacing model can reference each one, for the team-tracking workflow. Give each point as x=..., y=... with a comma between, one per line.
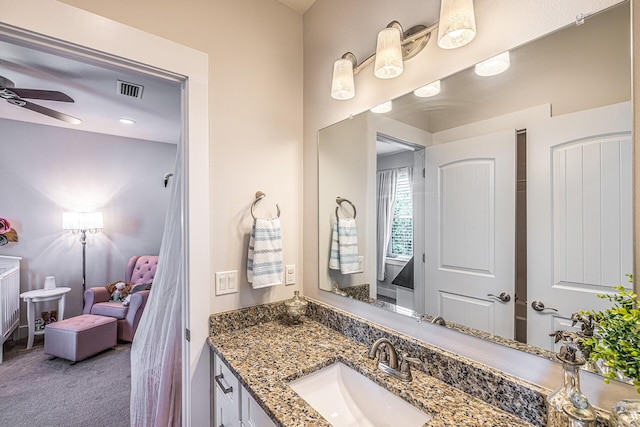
x=400, y=222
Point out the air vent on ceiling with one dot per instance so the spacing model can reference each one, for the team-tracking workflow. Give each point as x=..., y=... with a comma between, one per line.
x=130, y=89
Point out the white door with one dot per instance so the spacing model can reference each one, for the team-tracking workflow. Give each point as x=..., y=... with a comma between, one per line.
x=579, y=214
x=470, y=231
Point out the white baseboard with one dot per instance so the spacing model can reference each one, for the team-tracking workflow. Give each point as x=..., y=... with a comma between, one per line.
x=385, y=291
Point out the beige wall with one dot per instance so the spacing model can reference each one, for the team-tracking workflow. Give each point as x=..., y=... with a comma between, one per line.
x=255, y=106
x=341, y=152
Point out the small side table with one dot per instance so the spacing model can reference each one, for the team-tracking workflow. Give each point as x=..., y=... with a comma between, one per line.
x=40, y=295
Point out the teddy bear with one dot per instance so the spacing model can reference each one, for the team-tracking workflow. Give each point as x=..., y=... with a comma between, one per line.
x=116, y=296
x=120, y=287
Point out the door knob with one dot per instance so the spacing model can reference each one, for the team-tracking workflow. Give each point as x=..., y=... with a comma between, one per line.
x=504, y=296
x=539, y=306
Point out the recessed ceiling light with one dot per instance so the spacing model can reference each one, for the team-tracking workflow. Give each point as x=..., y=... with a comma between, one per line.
x=127, y=121
x=382, y=108
x=432, y=89
x=493, y=66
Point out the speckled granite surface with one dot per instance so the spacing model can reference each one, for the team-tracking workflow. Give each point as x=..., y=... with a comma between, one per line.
x=502, y=391
x=265, y=366
x=359, y=292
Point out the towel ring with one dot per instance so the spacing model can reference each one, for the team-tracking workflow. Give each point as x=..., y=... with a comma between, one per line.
x=339, y=201
x=259, y=196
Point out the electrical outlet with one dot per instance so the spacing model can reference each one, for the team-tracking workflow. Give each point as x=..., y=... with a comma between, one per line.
x=289, y=274
x=226, y=282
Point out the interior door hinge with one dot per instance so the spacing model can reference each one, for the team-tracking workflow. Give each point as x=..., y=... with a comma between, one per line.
x=424, y=173
x=187, y=334
x=424, y=258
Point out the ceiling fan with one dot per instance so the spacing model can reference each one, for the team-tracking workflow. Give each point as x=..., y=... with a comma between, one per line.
x=14, y=96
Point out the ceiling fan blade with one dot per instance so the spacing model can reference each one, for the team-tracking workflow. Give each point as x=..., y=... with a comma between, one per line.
x=48, y=95
x=46, y=111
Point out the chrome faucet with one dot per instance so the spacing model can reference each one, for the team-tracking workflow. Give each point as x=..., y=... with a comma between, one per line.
x=390, y=365
x=439, y=321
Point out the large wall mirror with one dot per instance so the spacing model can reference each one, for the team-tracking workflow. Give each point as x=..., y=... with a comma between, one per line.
x=498, y=205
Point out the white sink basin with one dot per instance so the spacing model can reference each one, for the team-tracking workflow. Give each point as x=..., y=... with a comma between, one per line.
x=347, y=398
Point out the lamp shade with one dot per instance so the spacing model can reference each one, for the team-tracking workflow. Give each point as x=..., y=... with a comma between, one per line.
x=388, y=62
x=457, y=25
x=82, y=221
x=385, y=107
x=432, y=89
x=493, y=66
x=342, y=84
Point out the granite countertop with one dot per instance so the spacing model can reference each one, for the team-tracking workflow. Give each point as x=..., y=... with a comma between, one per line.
x=267, y=356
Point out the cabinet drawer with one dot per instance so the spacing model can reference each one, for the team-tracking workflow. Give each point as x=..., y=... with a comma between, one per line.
x=227, y=387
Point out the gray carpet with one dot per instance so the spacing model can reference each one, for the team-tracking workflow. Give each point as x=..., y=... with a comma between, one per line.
x=36, y=391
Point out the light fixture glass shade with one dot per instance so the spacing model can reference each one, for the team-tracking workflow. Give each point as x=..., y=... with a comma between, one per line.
x=432, y=89
x=492, y=66
x=385, y=107
x=388, y=62
x=82, y=220
x=342, y=84
x=457, y=25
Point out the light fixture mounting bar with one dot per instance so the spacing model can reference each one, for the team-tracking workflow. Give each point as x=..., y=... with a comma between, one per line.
x=413, y=41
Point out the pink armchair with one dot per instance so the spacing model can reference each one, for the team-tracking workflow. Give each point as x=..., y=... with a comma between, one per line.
x=140, y=270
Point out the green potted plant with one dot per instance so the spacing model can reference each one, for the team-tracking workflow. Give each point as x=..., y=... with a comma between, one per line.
x=616, y=342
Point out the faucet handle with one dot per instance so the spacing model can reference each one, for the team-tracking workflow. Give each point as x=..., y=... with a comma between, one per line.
x=384, y=355
x=407, y=361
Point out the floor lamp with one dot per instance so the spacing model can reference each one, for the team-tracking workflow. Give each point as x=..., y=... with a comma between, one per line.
x=83, y=223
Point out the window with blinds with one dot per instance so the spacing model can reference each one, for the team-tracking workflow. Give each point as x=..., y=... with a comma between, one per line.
x=401, y=244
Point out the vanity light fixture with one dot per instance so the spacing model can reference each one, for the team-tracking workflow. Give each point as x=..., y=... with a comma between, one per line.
x=432, y=89
x=389, y=63
x=396, y=46
x=385, y=107
x=493, y=66
x=457, y=23
x=342, y=84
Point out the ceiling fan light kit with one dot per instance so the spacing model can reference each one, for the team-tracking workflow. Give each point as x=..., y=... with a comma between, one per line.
x=16, y=96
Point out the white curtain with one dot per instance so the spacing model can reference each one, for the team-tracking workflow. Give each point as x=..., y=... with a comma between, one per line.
x=386, y=198
x=156, y=354
x=410, y=177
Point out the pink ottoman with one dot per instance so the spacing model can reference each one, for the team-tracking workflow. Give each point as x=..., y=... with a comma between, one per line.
x=80, y=337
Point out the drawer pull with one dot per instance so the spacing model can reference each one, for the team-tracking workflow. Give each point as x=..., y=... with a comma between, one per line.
x=225, y=389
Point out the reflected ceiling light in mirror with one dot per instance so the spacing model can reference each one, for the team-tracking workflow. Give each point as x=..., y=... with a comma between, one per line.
x=382, y=108
x=432, y=89
x=126, y=121
x=342, y=84
x=457, y=23
x=389, y=63
x=493, y=66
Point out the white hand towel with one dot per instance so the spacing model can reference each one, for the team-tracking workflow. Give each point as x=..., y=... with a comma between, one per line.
x=334, y=256
x=264, y=261
x=347, y=246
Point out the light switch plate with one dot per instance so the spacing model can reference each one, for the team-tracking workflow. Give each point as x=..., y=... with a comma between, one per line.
x=226, y=282
x=289, y=274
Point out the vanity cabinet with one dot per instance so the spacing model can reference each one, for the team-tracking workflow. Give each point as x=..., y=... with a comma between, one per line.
x=233, y=405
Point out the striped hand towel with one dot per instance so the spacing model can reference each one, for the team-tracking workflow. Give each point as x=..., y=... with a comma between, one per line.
x=264, y=262
x=334, y=256
x=344, y=247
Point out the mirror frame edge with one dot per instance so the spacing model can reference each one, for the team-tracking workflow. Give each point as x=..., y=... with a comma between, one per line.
x=635, y=102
